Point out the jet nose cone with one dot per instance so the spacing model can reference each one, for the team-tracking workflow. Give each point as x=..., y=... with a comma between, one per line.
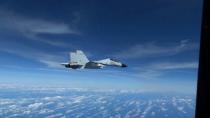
x=123, y=65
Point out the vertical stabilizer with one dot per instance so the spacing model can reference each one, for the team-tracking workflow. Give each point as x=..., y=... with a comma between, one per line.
x=78, y=57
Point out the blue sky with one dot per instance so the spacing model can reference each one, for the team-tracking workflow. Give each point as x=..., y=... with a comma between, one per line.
x=158, y=40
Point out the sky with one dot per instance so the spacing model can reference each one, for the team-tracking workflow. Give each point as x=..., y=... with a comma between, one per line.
x=158, y=40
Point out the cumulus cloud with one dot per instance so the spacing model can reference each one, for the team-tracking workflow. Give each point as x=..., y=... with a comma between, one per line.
x=78, y=99
x=35, y=105
x=54, y=98
x=148, y=108
x=153, y=50
x=24, y=106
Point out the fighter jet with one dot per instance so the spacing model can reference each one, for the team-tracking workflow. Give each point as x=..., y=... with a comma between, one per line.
x=78, y=60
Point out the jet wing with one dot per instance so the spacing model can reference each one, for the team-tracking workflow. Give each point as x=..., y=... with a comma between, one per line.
x=110, y=62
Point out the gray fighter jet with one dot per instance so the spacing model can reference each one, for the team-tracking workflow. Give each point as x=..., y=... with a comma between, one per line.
x=78, y=60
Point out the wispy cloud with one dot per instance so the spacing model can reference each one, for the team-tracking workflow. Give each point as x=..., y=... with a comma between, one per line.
x=155, y=70
x=31, y=28
x=154, y=50
x=49, y=60
x=33, y=25
x=168, y=66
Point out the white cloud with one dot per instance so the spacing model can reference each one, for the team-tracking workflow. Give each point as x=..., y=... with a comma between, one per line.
x=78, y=99
x=32, y=27
x=35, y=105
x=45, y=111
x=158, y=69
x=154, y=50
x=52, y=98
x=167, y=65
x=181, y=108
x=57, y=43
x=148, y=108
x=26, y=112
x=50, y=60
x=27, y=25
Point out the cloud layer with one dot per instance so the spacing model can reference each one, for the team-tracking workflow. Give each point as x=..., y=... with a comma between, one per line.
x=74, y=103
x=152, y=49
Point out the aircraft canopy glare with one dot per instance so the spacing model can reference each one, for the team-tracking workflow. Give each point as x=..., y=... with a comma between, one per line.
x=78, y=60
